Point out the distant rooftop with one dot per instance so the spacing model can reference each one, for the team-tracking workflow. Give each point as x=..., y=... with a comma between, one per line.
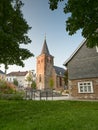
x=18, y=73
x=1, y=72
x=59, y=70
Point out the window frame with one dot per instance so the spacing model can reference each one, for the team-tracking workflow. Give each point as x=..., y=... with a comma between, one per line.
x=85, y=87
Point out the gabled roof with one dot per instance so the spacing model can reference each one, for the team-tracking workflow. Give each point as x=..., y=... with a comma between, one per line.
x=1, y=72
x=81, y=44
x=18, y=73
x=45, y=48
x=59, y=70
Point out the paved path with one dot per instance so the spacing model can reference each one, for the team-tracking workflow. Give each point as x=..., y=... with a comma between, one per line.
x=62, y=98
x=52, y=98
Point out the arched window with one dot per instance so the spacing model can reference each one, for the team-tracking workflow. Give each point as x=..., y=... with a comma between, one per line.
x=40, y=78
x=38, y=61
x=60, y=79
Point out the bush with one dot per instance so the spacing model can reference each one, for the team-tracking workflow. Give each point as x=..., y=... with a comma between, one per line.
x=6, y=88
x=2, y=84
x=14, y=96
x=33, y=85
x=8, y=91
x=15, y=82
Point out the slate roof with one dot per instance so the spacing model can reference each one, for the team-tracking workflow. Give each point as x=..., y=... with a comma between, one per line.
x=1, y=72
x=59, y=70
x=81, y=44
x=18, y=73
x=83, y=63
x=45, y=48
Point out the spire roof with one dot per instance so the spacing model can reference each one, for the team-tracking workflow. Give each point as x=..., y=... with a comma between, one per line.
x=45, y=48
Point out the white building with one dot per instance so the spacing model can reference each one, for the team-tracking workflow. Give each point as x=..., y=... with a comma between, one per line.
x=19, y=76
x=2, y=75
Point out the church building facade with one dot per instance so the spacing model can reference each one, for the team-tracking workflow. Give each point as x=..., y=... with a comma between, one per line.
x=48, y=75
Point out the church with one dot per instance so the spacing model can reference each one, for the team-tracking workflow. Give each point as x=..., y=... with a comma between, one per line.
x=48, y=75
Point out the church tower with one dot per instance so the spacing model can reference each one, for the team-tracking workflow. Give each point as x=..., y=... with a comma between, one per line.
x=44, y=67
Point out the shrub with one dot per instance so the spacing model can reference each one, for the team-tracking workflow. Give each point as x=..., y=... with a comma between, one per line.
x=6, y=88
x=8, y=91
x=15, y=82
x=33, y=85
x=14, y=96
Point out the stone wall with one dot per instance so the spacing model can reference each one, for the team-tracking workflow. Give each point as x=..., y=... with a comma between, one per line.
x=73, y=88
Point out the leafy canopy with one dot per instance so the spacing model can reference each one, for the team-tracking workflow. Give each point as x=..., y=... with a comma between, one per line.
x=13, y=33
x=83, y=14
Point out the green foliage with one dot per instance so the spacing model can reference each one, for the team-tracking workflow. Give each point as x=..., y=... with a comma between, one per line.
x=14, y=96
x=48, y=115
x=4, y=89
x=6, y=92
x=29, y=78
x=51, y=83
x=15, y=82
x=33, y=84
x=13, y=33
x=54, y=4
x=83, y=14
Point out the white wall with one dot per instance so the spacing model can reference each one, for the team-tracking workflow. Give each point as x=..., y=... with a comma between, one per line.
x=20, y=79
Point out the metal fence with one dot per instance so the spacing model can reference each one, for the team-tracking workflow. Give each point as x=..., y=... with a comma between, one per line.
x=40, y=94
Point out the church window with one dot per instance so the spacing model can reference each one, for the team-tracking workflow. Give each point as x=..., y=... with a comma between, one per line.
x=48, y=60
x=38, y=61
x=40, y=78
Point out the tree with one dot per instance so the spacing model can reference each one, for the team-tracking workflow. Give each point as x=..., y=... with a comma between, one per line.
x=29, y=78
x=33, y=84
x=51, y=83
x=15, y=82
x=83, y=14
x=13, y=33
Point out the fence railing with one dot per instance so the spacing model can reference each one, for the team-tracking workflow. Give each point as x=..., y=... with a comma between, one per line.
x=40, y=94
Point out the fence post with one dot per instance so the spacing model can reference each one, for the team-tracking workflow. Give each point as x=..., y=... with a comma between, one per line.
x=26, y=94
x=52, y=94
x=40, y=94
x=46, y=94
x=31, y=94
x=34, y=94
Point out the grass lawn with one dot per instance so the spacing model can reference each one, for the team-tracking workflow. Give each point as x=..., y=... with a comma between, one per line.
x=48, y=115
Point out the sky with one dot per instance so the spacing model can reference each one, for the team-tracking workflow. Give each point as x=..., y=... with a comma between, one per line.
x=51, y=24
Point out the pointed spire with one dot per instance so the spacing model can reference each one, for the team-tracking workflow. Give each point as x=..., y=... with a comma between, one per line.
x=45, y=48
x=45, y=36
